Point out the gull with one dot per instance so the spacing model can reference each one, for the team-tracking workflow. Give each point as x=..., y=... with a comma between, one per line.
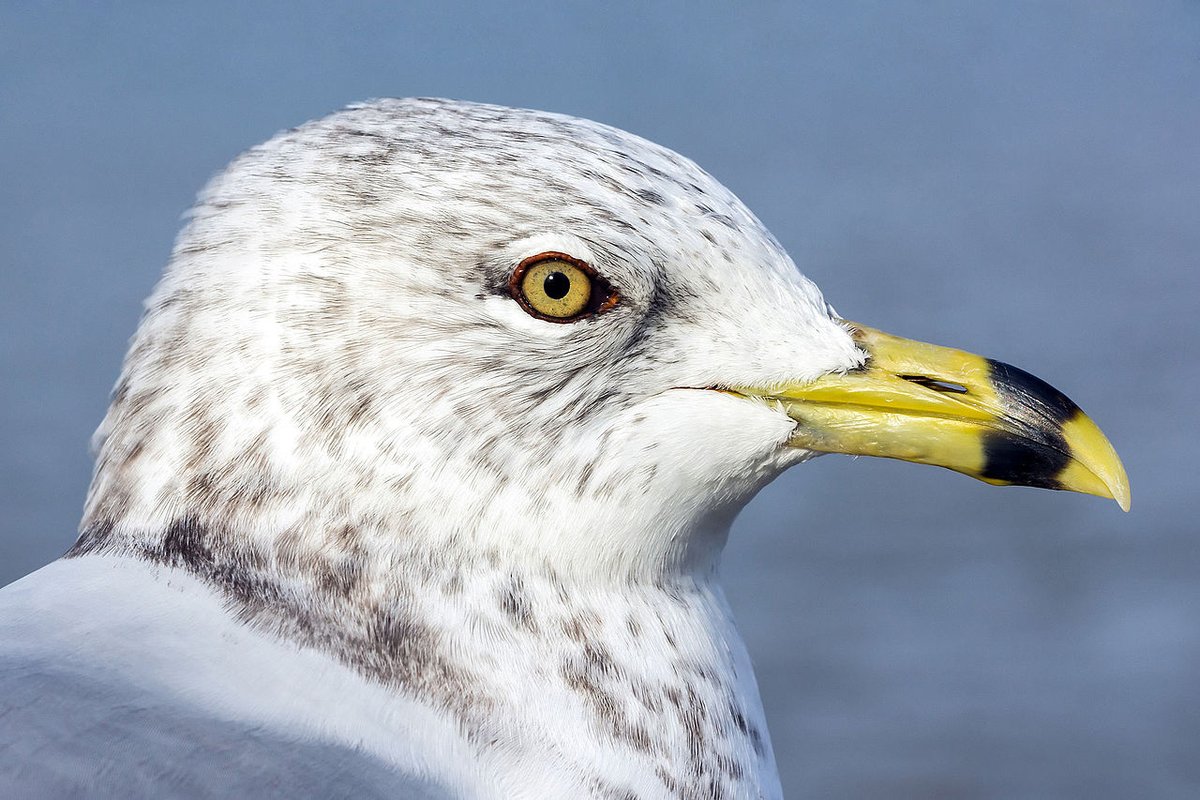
x=418, y=471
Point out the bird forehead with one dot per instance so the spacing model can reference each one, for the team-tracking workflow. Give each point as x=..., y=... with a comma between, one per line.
x=468, y=171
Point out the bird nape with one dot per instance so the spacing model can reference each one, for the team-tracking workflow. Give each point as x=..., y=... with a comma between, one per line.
x=420, y=463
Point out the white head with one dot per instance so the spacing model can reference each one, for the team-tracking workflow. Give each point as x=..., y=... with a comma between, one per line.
x=335, y=359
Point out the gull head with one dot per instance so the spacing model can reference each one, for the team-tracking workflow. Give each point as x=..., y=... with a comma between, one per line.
x=424, y=325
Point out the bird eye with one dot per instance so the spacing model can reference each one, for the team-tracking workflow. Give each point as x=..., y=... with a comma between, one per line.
x=559, y=288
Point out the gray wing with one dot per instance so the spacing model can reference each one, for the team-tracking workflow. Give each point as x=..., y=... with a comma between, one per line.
x=65, y=735
x=72, y=726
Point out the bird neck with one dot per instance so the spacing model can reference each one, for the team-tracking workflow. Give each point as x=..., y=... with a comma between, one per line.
x=648, y=671
x=650, y=675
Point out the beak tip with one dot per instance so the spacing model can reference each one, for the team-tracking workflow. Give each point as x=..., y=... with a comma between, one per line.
x=1119, y=490
x=1095, y=453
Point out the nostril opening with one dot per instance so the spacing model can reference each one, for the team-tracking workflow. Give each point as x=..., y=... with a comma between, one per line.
x=936, y=384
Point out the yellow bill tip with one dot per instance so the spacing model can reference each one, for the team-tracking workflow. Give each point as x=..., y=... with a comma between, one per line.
x=1095, y=467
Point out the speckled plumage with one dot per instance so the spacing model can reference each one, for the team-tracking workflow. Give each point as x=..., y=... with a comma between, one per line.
x=336, y=418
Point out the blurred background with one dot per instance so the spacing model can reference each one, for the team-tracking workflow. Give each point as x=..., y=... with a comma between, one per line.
x=1021, y=179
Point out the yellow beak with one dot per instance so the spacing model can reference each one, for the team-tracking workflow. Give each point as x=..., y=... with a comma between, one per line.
x=935, y=405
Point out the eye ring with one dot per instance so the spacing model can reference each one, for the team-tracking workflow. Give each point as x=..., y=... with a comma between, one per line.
x=557, y=287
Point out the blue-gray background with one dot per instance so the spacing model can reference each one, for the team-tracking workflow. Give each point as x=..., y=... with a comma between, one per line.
x=1021, y=179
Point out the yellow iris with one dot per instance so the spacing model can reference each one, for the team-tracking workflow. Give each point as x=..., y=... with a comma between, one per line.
x=556, y=289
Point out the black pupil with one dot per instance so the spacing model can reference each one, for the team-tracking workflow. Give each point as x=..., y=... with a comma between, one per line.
x=556, y=285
